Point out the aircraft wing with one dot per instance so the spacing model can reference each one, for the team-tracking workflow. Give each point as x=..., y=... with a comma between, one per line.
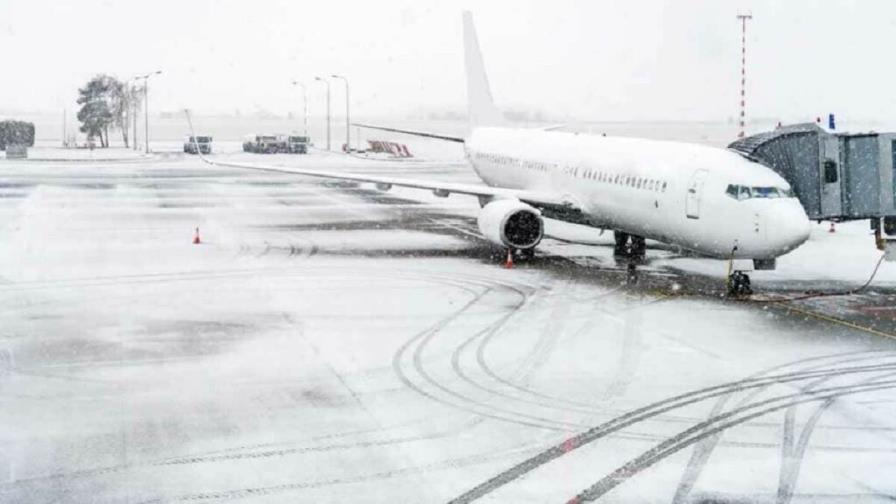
x=535, y=198
x=547, y=201
x=411, y=132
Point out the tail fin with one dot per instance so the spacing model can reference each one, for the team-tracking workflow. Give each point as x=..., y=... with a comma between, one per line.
x=480, y=105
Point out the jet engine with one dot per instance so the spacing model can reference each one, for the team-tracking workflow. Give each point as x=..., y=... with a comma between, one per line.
x=511, y=223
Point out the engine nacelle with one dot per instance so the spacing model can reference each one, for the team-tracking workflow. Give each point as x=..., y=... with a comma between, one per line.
x=511, y=223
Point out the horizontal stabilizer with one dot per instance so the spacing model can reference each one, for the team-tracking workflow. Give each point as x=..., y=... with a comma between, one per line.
x=408, y=132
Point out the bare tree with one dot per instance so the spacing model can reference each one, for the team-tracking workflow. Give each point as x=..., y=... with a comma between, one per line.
x=125, y=102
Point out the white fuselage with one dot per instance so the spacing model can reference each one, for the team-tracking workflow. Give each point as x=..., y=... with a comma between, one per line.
x=668, y=191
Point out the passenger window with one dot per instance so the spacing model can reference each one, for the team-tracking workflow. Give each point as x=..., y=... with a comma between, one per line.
x=830, y=171
x=664, y=186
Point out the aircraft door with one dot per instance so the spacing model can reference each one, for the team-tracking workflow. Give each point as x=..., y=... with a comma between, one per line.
x=695, y=193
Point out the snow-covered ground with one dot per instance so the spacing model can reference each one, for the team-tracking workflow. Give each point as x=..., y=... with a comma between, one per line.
x=330, y=343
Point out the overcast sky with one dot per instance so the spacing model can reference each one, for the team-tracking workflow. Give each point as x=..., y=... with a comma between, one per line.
x=594, y=59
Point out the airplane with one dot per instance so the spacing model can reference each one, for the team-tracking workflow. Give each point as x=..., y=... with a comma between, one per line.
x=708, y=200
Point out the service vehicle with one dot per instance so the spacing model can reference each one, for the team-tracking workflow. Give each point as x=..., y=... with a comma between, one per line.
x=204, y=143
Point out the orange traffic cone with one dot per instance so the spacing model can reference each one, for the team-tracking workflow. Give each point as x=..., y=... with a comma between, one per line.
x=196, y=240
x=832, y=230
x=509, y=262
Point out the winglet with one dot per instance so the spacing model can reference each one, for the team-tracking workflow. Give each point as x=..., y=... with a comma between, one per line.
x=480, y=105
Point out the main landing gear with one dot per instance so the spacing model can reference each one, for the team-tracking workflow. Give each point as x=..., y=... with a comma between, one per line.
x=629, y=250
x=526, y=254
x=629, y=245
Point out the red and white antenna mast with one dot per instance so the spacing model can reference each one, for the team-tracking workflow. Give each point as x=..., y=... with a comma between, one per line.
x=743, y=71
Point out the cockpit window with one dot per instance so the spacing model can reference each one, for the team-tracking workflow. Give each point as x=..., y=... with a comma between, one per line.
x=740, y=192
x=765, y=192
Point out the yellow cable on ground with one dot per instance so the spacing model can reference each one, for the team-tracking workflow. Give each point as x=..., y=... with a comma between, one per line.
x=786, y=303
x=811, y=295
x=835, y=320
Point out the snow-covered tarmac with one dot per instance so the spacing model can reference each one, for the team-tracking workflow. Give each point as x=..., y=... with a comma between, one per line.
x=330, y=343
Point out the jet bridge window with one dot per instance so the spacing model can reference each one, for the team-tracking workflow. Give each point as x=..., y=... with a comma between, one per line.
x=830, y=171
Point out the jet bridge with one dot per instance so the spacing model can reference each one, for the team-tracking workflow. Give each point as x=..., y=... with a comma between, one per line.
x=837, y=177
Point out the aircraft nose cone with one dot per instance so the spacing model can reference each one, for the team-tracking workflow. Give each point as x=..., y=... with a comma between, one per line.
x=787, y=228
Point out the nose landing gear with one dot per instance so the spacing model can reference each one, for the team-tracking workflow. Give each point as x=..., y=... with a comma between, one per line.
x=739, y=284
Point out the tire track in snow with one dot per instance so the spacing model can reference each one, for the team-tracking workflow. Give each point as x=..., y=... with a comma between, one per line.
x=458, y=400
x=641, y=414
x=703, y=450
x=533, y=361
x=718, y=424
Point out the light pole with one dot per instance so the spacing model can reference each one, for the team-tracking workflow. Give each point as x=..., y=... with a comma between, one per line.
x=304, y=105
x=743, y=18
x=348, y=143
x=146, y=105
x=134, y=117
x=325, y=81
